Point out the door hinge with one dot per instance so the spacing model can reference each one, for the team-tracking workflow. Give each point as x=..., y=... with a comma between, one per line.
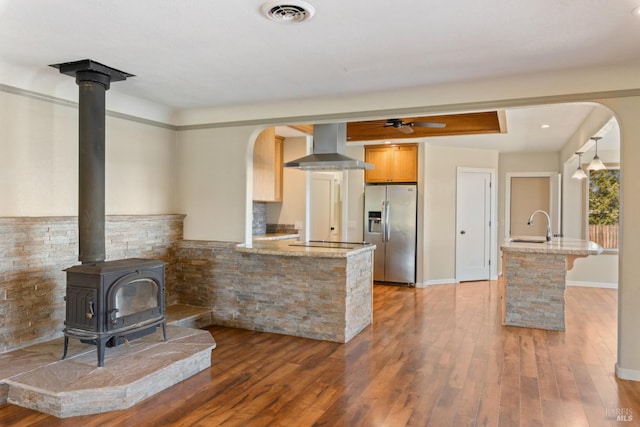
x=489, y=262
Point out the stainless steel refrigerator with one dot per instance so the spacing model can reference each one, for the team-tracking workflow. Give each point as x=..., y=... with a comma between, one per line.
x=390, y=213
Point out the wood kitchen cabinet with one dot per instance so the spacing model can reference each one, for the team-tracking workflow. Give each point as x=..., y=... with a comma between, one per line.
x=393, y=163
x=267, y=167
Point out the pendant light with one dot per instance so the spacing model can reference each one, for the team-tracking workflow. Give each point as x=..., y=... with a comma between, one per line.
x=596, y=164
x=579, y=173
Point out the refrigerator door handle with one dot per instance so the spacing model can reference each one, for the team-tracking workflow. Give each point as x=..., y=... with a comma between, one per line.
x=383, y=221
x=386, y=220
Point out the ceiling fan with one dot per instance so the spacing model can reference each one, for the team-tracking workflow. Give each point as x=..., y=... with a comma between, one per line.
x=407, y=127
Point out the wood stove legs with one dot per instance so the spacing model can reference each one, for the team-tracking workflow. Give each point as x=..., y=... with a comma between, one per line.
x=101, y=344
x=101, y=340
x=66, y=346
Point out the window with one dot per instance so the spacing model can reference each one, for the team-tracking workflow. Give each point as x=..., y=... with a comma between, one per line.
x=604, y=207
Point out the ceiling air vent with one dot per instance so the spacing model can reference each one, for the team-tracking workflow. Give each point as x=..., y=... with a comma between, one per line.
x=287, y=10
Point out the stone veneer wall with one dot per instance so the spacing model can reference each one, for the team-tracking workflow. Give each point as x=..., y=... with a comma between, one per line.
x=535, y=290
x=300, y=296
x=35, y=251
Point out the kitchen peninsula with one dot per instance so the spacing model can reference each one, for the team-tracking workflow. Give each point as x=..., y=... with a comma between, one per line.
x=533, y=280
x=308, y=289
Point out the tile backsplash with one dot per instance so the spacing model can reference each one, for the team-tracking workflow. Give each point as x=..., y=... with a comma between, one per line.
x=259, y=223
x=281, y=228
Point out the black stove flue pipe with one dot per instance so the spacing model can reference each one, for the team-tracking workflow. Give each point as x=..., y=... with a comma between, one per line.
x=93, y=80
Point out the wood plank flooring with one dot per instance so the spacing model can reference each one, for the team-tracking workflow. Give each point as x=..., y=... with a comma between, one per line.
x=433, y=357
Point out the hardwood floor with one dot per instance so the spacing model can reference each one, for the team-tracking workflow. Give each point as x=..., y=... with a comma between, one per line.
x=433, y=357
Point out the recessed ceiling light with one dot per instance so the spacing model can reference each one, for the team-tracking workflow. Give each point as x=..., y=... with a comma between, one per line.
x=636, y=11
x=387, y=142
x=288, y=11
x=545, y=126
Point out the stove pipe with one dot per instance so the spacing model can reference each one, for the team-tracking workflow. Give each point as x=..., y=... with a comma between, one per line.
x=93, y=81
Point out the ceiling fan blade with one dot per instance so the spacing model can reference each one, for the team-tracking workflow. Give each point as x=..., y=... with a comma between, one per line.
x=405, y=129
x=433, y=125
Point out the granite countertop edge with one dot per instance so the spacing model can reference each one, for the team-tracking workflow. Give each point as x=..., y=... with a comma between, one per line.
x=275, y=236
x=557, y=246
x=283, y=248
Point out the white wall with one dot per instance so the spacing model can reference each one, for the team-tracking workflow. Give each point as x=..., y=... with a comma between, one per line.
x=439, y=208
x=216, y=182
x=39, y=161
x=141, y=173
x=595, y=271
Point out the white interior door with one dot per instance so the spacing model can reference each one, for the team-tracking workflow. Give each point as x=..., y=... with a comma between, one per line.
x=473, y=226
x=322, y=210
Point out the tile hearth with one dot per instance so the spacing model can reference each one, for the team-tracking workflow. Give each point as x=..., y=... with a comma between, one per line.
x=36, y=378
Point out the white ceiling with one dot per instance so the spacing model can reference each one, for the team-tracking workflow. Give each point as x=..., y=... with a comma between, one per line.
x=210, y=53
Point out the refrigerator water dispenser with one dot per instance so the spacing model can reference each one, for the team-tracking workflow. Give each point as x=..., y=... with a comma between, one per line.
x=375, y=222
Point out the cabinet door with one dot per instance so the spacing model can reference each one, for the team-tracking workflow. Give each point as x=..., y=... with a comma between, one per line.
x=404, y=164
x=380, y=158
x=267, y=167
x=393, y=163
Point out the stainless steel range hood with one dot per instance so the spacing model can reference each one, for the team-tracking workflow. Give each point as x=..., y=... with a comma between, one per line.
x=329, y=142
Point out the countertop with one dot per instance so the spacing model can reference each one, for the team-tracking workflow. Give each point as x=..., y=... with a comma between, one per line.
x=284, y=248
x=557, y=246
x=275, y=236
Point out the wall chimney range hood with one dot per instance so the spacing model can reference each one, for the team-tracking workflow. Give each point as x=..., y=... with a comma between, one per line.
x=329, y=142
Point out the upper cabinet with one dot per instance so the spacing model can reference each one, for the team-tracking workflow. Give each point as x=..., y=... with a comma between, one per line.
x=393, y=163
x=267, y=167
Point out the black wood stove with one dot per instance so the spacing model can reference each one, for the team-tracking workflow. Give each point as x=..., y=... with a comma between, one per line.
x=114, y=301
x=110, y=302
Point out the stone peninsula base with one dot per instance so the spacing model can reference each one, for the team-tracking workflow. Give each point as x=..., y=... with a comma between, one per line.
x=534, y=279
x=535, y=293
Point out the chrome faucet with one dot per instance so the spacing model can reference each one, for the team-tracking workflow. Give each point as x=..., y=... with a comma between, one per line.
x=548, y=222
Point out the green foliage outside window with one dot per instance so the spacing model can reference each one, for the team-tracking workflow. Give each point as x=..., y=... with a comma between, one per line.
x=604, y=201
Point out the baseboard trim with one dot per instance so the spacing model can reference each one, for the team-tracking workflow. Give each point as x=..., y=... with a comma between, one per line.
x=593, y=284
x=627, y=374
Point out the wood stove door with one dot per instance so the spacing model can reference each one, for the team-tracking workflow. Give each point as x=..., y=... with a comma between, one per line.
x=135, y=298
x=81, y=305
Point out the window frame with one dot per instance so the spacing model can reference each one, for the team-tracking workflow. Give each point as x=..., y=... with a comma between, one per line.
x=585, y=206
